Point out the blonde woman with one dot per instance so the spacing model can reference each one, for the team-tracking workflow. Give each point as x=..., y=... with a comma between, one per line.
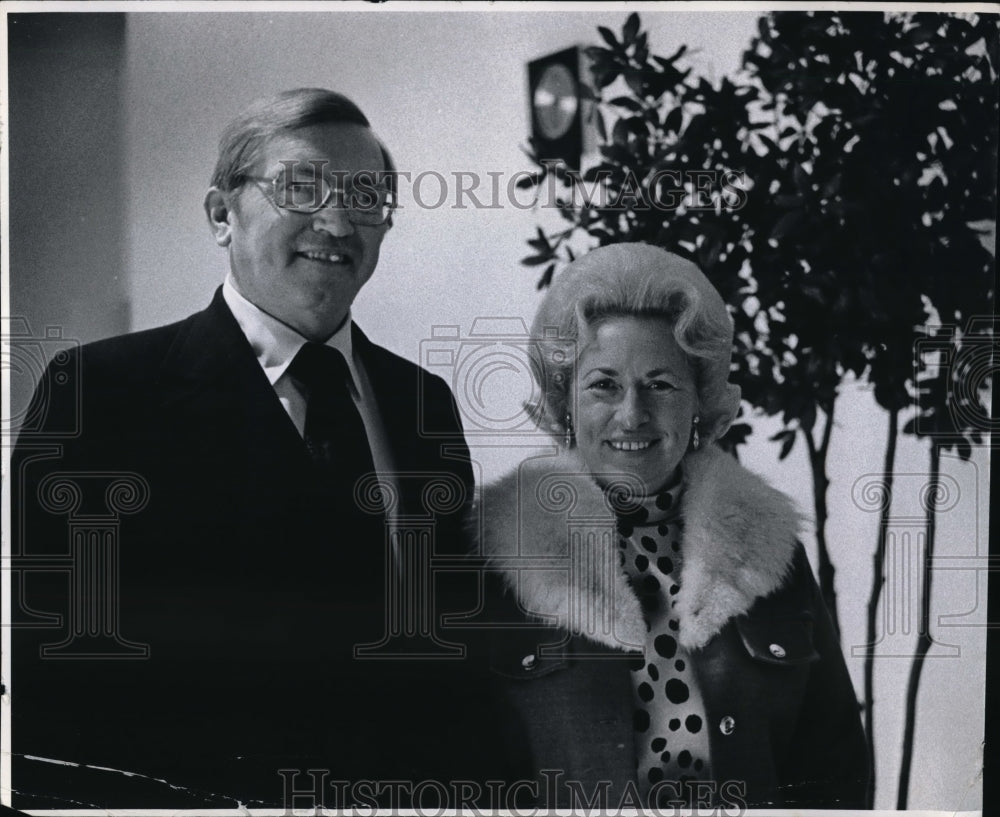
x=671, y=645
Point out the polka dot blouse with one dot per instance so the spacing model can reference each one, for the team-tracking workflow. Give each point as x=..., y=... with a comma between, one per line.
x=671, y=740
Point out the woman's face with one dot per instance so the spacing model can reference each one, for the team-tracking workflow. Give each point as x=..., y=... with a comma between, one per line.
x=635, y=400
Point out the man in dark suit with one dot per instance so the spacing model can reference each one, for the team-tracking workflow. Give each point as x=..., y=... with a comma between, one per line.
x=225, y=525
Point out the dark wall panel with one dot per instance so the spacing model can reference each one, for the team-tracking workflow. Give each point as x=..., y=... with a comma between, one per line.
x=67, y=214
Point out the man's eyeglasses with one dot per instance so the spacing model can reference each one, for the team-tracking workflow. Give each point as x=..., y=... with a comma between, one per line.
x=364, y=202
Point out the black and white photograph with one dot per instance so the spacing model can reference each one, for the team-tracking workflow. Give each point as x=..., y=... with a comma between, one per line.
x=472, y=408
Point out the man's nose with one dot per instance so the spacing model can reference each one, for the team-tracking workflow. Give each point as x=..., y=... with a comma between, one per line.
x=333, y=220
x=632, y=411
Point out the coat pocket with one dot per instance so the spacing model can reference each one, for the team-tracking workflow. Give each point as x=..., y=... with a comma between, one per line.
x=779, y=641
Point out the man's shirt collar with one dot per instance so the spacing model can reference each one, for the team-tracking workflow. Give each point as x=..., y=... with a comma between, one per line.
x=274, y=343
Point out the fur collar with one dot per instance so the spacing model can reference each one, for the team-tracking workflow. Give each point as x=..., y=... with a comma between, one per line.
x=547, y=529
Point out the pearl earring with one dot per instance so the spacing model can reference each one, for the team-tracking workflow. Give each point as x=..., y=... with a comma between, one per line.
x=695, y=438
x=568, y=438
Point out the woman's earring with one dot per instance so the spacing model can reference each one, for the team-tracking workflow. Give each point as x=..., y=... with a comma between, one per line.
x=695, y=439
x=568, y=438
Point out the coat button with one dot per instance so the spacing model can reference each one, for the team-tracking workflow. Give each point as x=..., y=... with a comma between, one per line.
x=727, y=725
x=528, y=662
x=777, y=650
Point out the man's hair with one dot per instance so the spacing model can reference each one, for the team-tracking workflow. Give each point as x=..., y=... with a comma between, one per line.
x=245, y=137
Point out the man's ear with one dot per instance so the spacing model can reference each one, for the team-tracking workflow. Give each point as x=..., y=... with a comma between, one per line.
x=219, y=211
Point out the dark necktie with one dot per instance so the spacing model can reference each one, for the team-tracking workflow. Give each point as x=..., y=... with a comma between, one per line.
x=334, y=432
x=349, y=514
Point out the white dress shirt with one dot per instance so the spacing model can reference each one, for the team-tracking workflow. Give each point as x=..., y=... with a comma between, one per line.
x=275, y=344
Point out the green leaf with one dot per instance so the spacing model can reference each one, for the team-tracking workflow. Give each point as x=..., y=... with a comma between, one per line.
x=737, y=434
x=531, y=180
x=536, y=260
x=665, y=61
x=642, y=47
x=541, y=242
x=546, y=278
x=595, y=52
x=768, y=143
x=787, y=438
x=597, y=171
x=635, y=82
x=619, y=134
x=786, y=446
x=672, y=122
x=605, y=74
x=627, y=102
x=609, y=37
x=631, y=28
x=764, y=27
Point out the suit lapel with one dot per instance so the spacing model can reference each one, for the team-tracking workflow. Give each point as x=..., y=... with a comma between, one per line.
x=395, y=390
x=212, y=379
x=214, y=382
x=216, y=388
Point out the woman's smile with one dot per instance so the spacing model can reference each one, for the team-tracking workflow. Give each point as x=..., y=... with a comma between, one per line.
x=632, y=446
x=636, y=399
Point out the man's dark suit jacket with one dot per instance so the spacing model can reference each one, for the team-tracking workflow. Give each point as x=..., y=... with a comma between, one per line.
x=239, y=576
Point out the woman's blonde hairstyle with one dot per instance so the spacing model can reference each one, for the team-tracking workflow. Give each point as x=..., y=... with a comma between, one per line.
x=639, y=280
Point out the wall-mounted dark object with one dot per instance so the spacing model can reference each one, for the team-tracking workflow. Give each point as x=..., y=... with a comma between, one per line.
x=558, y=125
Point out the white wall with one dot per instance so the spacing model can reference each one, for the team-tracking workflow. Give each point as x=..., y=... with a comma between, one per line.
x=447, y=91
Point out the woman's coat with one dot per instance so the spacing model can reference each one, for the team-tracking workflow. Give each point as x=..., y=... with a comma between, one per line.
x=782, y=712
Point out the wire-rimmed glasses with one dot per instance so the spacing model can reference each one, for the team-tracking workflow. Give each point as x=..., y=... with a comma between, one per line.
x=362, y=198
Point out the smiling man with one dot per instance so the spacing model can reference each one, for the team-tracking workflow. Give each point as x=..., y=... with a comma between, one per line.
x=241, y=643
x=300, y=262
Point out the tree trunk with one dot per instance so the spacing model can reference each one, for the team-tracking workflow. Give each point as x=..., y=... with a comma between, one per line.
x=878, y=582
x=923, y=634
x=817, y=461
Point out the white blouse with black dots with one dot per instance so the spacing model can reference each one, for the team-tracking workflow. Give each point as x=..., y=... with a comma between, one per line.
x=671, y=740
